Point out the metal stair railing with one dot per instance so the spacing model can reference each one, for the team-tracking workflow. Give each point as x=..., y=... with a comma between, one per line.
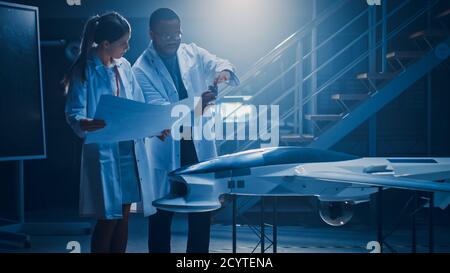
x=361, y=58
x=283, y=46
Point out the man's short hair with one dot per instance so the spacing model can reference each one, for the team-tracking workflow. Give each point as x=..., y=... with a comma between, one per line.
x=162, y=14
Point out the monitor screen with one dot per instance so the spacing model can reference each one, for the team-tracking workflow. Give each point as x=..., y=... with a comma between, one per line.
x=22, y=130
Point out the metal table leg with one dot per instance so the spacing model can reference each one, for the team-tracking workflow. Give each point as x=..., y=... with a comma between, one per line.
x=380, y=218
x=234, y=239
x=262, y=226
x=275, y=225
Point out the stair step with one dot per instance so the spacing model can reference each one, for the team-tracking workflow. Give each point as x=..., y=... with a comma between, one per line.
x=351, y=97
x=238, y=99
x=429, y=33
x=375, y=76
x=323, y=117
x=296, y=138
x=405, y=55
x=443, y=14
x=308, y=137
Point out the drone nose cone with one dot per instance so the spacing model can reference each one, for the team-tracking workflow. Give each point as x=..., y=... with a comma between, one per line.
x=188, y=197
x=179, y=204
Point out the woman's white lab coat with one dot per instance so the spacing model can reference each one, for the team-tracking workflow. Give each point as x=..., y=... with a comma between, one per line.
x=198, y=68
x=100, y=188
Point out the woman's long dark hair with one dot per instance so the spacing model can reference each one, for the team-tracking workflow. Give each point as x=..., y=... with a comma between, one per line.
x=107, y=27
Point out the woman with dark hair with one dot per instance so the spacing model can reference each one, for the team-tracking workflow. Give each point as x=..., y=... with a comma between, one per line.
x=113, y=175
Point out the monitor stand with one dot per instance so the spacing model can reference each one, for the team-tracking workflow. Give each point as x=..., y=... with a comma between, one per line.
x=17, y=234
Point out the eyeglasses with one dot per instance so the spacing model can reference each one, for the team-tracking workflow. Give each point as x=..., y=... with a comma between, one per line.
x=167, y=37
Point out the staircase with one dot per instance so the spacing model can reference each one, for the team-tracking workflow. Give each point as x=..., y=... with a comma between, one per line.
x=292, y=77
x=328, y=88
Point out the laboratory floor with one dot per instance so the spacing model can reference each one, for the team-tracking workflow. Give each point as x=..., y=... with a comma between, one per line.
x=291, y=239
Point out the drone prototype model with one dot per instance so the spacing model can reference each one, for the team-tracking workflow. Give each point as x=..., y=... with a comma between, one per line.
x=337, y=179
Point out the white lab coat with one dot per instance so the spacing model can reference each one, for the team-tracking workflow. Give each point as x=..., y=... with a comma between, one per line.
x=100, y=188
x=198, y=68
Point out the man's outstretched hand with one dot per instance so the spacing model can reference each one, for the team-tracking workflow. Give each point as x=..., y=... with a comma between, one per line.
x=223, y=76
